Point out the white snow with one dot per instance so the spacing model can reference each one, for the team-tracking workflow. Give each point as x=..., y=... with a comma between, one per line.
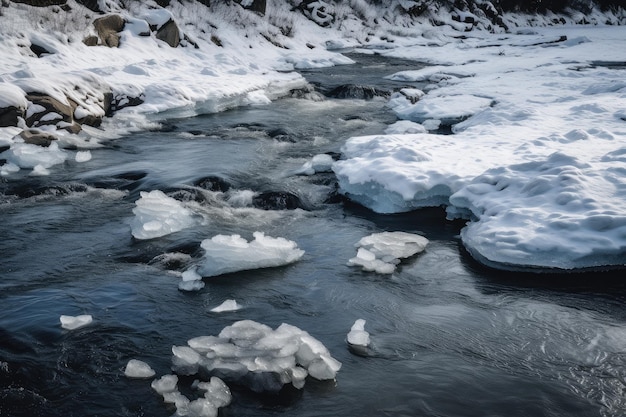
x=381, y=252
x=158, y=215
x=225, y=254
x=253, y=354
x=138, y=369
x=75, y=322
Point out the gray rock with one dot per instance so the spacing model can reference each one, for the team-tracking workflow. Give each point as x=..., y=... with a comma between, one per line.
x=37, y=137
x=169, y=33
x=41, y=3
x=108, y=28
x=9, y=116
x=51, y=105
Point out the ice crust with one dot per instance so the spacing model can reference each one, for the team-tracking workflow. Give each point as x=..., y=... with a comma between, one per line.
x=381, y=252
x=226, y=254
x=254, y=355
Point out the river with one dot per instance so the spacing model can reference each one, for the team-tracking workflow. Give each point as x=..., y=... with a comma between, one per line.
x=449, y=337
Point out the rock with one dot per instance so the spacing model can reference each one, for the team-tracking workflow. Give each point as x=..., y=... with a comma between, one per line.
x=121, y=101
x=354, y=91
x=91, y=40
x=37, y=137
x=213, y=183
x=258, y=6
x=50, y=105
x=169, y=33
x=41, y=3
x=91, y=5
x=108, y=28
x=277, y=200
x=39, y=50
x=9, y=116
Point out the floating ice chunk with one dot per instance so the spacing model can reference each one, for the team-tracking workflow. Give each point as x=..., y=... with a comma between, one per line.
x=216, y=391
x=165, y=384
x=191, y=281
x=185, y=360
x=381, y=252
x=25, y=155
x=225, y=254
x=158, y=215
x=253, y=354
x=319, y=163
x=228, y=305
x=138, y=369
x=83, y=156
x=357, y=335
x=75, y=322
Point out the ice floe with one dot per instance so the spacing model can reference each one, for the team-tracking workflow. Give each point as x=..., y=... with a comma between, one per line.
x=75, y=322
x=230, y=253
x=158, y=215
x=382, y=252
x=138, y=369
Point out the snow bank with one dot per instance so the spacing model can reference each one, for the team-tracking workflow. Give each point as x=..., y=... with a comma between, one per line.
x=226, y=254
x=255, y=355
x=538, y=164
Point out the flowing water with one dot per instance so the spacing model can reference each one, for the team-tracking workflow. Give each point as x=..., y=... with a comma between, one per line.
x=449, y=337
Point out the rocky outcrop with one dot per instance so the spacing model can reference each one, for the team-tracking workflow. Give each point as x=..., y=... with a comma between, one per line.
x=47, y=110
x=108, y=28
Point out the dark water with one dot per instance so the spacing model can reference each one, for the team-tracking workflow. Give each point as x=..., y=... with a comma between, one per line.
x=449, y=337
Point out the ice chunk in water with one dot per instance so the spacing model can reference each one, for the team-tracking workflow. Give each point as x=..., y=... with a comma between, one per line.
x=319, y=163
x=138, y=369
x=357, y=335
x=158, y=215
x=75, y=322
x=228, y=305
x=191, y=281
x=255, y=355
x=225, y=254
x=216, y=391
x=185, y=360
x=381, y=252
x=165, y=384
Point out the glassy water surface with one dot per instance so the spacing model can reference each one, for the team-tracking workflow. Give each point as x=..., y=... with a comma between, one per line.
x=449, y=337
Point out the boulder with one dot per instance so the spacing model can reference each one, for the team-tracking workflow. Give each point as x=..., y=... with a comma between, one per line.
x=91, y=40
x=169, y=33
x=91, y=5
x=277, y=200
x=9, y=116
x=258, y=6
x=213, y=183
x=360, y=92
x=50, y=105
x=108, y=28
x=39, y=50
x=37, y=137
